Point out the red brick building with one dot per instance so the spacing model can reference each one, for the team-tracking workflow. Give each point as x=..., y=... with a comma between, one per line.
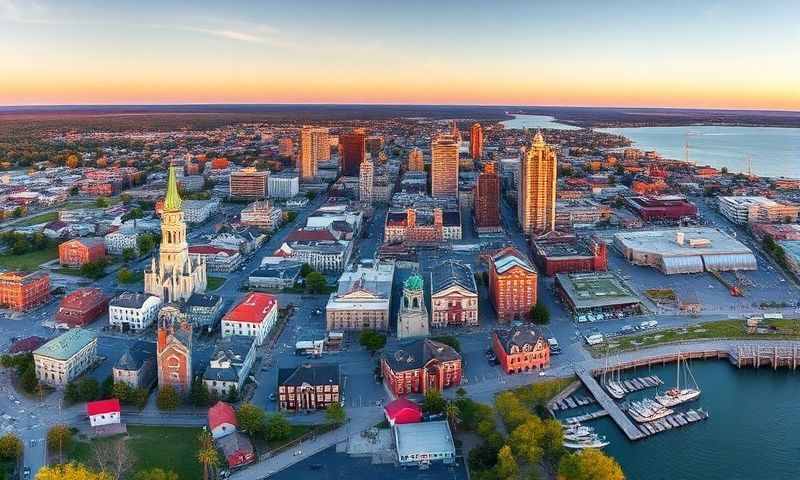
x=421, y=366
x=512, y=284
x=644, y=185
x=555, y=253
x=81, y=307
x=22, y=291
x=661, y=207
x=404, y=226
x=174, y=350
x=521, y=349
x=80, y=251
x=309, y=387
x=487, y=200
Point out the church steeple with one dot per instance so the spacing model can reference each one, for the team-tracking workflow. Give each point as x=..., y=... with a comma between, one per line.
x=173, y=201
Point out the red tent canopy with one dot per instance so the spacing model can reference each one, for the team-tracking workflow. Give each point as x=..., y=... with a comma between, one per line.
x=402, y=411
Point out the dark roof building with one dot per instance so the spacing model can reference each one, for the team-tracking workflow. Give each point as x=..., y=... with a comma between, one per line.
x=309, y=387
x=452, y=273
x=421, y=366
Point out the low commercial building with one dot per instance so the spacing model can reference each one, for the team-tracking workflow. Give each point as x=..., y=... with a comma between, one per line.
x=248, y=184
x=420, y=444
x=80, y=308
x=275, y=276
x=598, y=292
x=22, y=291
x=309, y=387
x=255, y=316
x=454, y=296
x=217, y=259
x=137, y=366
x=521, y=349
x=512, y=284
x=122, y=239
x=133, y=311
x=362, y=300
x=80, y=251
x=104, y=412
x=583, y=212
x=661, y=207
x=198, y=211
x=421, y=366
x=742, y=210
x=791, y=250
x=235, y=446
x=776, y=231
x=204, y=310
x=329, y=256
x=230, y=365
x=555, y=253
x=685, y=250
x=65, y=357
x=284, y=185
x=263, y=215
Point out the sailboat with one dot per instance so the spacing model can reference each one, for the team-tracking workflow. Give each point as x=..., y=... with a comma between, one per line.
x=678, y=395
x=648, y=410
x=613, y=386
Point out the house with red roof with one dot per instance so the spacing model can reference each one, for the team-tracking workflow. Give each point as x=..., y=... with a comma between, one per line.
x=222, y=420
x=402, y=411
x=104, y=412
x=255, y=316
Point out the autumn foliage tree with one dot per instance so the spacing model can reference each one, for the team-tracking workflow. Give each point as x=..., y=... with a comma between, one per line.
x=70, y=471
x=590, y=464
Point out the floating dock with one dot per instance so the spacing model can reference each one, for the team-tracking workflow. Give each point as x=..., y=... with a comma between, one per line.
x=572, y=402
x=614, y=411
x=676, y=420
x=630, y=385
x=586, y=417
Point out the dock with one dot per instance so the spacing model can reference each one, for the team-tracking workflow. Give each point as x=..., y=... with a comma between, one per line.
x=756, y=356
x=676, y=420
x=586, y=417
x=630, y=385
x=572, y=402
x=625, y=424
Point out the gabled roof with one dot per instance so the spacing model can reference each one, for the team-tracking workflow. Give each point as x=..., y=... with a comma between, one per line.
x=136, y=356
x=221, y=413
x=519, y=337
x=452, y=273
x=402, y=411
x=254, y=308
x=312, y=374
x=417, y=354
x=101, y=407
x=509, y=258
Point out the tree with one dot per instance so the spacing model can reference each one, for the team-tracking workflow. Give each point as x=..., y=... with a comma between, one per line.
x=88, y=389
x=453, y=414
x=311, y=196
x=290, y=216
x=93, y=270
x=113, y=457
x=123, y=392
x=251, y=418
x=101, y=202
x=156, y=474
x=276, y=427
x=589, y=464
x=59, y=439
x=207, y=455
x=507, y=467
x=233, y=395
x=539, y=314
x=10, y=447
x=461, y=393
x=145, y=243
x=125, y=276
x=511, y=409
x=18, y=212
x=168, y=398
x=140, y=396
x=73, y=160
x=372, y=340
x=525, y=440
x=335, y=414
x=434, y=402
x=125, y=198
x=198, y=393
x=28, y=380
x=135, y=213
x=305, y=269
x=71, y=393
x=315, y=282
x=70, y=471
x=128, y=254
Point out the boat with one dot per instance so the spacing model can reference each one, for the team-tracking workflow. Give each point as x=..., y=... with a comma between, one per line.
x=594, y=441
x=678, y=395
x=612, y=384
x=648, y=410
x=578, y=433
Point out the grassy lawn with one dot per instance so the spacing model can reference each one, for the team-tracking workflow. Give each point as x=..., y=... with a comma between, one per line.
x=661, y=294
x=169, y=448
x=37, y=219
x=295, y=432
x=214, y=283
x=138, y=277
x=735, y=329
x=29, y=261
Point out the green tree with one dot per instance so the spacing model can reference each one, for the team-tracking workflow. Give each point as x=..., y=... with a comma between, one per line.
x=589, y=464
x=71, y=393
x=311, y=196
x=140, y=396
x=539, y=314
x=59, y=439
x=18, y=212
x=525, y=440
x=101, y=202
x=125, y=198
x=168, y=398
x=315, y=282
x=156, y=474
x=28, y=380
x=198, y=393
x=335, y=414
x=128, y=254
x=372, y=340
x=208, y=456
x=125, y=276
x=251, y=418
x=145, y=243
x=88, y=389
x=453, y=414
x=134, y=213
x=107, y=387
x=290, y=216
x=93, y=270
x=434, y=402
x=507, y=467
x=123, y=392
x=276, y=427
x=305, y=269
x=233, y=395
x=513, y=412
x=10, y=447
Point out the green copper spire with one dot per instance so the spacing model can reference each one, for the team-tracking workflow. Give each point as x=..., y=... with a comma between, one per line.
x=173, y=201
x=414, y=282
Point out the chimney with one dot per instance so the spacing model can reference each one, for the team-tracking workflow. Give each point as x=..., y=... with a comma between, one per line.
x=680, y=237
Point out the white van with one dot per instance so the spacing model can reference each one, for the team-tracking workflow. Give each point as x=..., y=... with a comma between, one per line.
x=594, y=339
x=648, y=324
x=555, y=348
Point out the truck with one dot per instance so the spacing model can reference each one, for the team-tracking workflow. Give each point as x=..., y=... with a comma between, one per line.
x=594, y=339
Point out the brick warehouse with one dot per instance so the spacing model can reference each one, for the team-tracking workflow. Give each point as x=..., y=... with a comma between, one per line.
x=512, y=284
x=556, y=253
x=22, y=291
x=421, y=366
x=81, y=307
x=80, y=251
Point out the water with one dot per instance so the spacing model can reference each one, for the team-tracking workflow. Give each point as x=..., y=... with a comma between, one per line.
x=775, y=152
x=536, y=121
x=751, y=434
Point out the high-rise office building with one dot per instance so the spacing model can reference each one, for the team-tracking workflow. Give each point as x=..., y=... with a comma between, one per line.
x=366, y=181
x=285, y=147
x=444, y=166
x=476, y=141
x=352, y=151
x=315, y=146
x=487, y=200
x=416, y=162
x=248, y=184
x=536, y=199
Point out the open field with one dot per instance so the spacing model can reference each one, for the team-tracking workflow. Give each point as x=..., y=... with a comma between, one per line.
x=37, y=219
x=168, y=448
x=214, y=283
x=29, y=261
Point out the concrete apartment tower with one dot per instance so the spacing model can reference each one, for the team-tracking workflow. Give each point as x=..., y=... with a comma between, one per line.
x=315, y=146
x=536, y=199
x=416, y=162
x=444, y=166
x=175, y=276
x=366, y=178
x=476, y=141
x=413, y=321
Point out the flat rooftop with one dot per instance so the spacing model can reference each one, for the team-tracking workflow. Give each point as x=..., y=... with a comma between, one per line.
x=593, y=290
x=565, y=249
x=696, y=241
x=423, y=438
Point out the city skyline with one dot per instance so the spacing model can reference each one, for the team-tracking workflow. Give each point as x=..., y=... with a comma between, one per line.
x=708, y=55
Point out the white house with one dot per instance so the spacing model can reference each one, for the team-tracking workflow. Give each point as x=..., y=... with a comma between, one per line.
x=104, y=412
x=255, y=317
x=133, y=311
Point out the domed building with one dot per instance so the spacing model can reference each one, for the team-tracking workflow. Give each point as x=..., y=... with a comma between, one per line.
x=413, y=321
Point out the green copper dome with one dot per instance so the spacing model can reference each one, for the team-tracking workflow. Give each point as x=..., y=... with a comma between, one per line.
x=414, y=282
x=173, y=201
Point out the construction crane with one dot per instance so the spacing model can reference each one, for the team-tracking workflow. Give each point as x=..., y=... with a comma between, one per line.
x=686, y=147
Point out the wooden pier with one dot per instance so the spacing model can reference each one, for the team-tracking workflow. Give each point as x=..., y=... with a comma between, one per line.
x=622, y=420
x=757, y=356
x=676, y=420
x=572, y=402
x=586, y=417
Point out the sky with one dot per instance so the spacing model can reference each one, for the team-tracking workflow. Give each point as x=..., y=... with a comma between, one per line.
x=704, y=54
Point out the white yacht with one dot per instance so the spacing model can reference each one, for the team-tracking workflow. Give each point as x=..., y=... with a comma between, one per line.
x=648, y=410
x=678, y=395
